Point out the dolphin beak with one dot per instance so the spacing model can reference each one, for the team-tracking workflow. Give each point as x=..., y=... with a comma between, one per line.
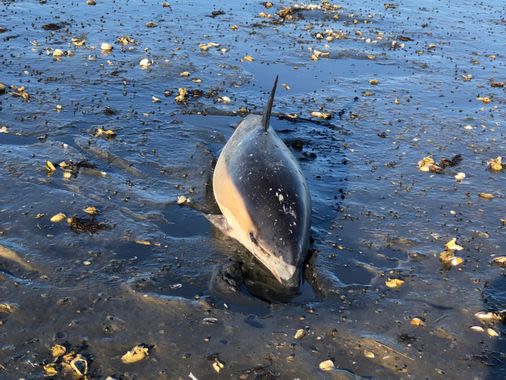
x=286, y=274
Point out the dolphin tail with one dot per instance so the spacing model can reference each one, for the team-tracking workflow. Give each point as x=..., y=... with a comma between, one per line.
x=268, y=107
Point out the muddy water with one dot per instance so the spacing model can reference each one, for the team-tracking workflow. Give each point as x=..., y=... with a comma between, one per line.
x=157, y=273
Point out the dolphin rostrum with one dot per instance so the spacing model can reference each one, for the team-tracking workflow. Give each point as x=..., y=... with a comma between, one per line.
x=264, y=198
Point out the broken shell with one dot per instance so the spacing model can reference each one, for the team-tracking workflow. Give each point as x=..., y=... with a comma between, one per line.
x=248, y=58
x=225, y=99
x=496, y=164
x=321, y=115
x=58, y=350
x=50, y=168
x=417, y=322
x=91, y=210
x=492, y=332
x=80, y=365
x=484, y=99
x=369, y=354
x=477, y=328
x=299, y=334
x=185, y=74
x=57, y=53
x=394, y=283
x=424, y=163
x=125, y=40
x=145, y=63
x=460, y=176
x=453, y=246
x=105, y=47
x=50, y=370
x=182, y=200
x=486, y=196
x=4, y=129
x=373, y=82
x=487, y=316
x=327, y=365
x=456, y=261
x=58, y=217
x=154, y=99
x=500, y=260
x=182, y=95
x=76, y=41
x=217, y=365
x=136, y=354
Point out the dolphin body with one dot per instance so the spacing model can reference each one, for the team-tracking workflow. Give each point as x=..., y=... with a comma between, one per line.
x=264, y=198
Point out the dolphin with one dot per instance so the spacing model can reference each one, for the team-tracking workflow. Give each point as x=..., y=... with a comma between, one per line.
x=264, y=198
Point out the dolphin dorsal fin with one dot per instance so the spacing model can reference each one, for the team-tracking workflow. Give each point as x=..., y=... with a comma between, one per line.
x=268, y=107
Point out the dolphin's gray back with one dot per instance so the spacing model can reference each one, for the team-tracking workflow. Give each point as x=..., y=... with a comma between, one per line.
x=273, y=186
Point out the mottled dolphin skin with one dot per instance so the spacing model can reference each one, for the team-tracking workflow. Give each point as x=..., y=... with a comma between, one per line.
x=264, y=197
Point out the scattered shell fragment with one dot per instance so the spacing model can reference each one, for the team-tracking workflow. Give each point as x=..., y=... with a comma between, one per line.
x=145, y=63
x=248, y=58
x=80, y=365
x=205, y=47
x=105, y=47
x=427, y=164
x=487, y=316
x=460, y=176
x=182, y=200
x=486, y=195
x=58, y=350
x=50, y=168
x=77, y=41
x=327, y=365
x=50, y=370
x=3, y=88
x=225, y=99
x=91, y=210
x=7, y=307
x=321, y=115
x=182, y=95
x=369, y=354
x=217, y=365
x=154, y=99
x=455, y=261
x=484, y=99
x=477, y=328
x=151, y=24
x=58, y=217
x=107, y=133
x=492, y=332
x=373, y=82
x=299, y=334
x=467, y=77
x=500, y=260
x=452, y=245
x=185, y=74
x=417, y=322
x=4, y=129
x=394, y=283
x=234, y=27
x=125, y=40
x=496, y=164
x=319, y=54
x=57, y=53
x=136, y=354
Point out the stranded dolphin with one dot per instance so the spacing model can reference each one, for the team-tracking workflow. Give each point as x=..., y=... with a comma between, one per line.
x=264, y=198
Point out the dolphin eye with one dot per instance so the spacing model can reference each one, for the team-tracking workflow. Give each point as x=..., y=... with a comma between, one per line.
x=253, y=239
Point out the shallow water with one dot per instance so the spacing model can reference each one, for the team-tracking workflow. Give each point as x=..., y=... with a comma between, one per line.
x=161, y=275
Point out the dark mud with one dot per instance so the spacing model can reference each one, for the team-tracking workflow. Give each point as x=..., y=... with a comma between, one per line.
x=400, y=81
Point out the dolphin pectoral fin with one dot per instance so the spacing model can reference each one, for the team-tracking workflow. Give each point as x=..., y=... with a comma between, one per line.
x=220, y=222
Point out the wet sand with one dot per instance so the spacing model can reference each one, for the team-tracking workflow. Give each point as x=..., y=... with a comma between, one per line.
x=400, y=82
